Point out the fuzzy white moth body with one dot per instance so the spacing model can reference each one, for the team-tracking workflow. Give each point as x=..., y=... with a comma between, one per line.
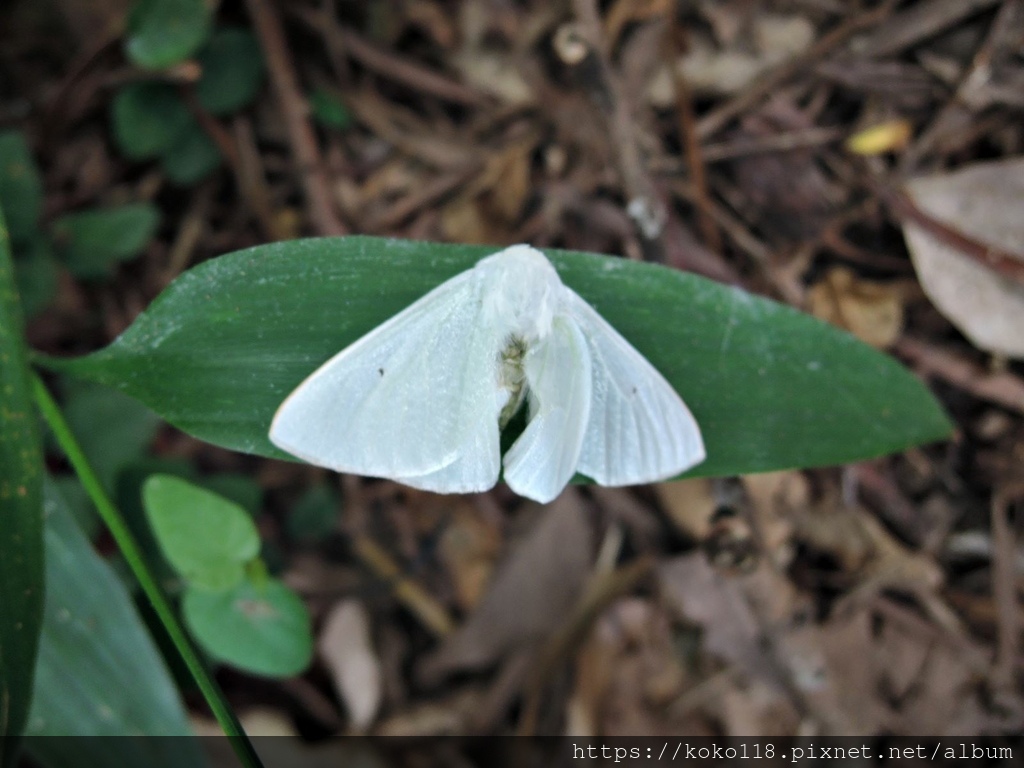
x=421, y=399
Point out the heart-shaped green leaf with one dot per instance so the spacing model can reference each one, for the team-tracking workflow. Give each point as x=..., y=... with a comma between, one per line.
x=92, y=241
x=259, y=627
x=207, y=538
x=164, y=32
x=148, y=119
x=771, y=388
x=232, y=71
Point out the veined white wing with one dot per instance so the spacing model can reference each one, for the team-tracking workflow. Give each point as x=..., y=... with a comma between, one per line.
x=639, y=429
x=412, y=397
x=558, y=372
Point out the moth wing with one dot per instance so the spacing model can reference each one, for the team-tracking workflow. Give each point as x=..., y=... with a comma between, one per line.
x=639, y=429
x=558, y=372
x=413, y=396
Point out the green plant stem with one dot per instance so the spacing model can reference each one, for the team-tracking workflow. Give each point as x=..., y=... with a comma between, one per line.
x=133, y=555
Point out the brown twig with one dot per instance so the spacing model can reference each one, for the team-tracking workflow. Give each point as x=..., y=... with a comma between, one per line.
x=717, y=118
x=688, y=134
x=602, y=591
x=1007, y=264
x=293, y=106
x=643, y=205
x=252, y=181
x=190, y=232
x=918, y=22
x=957, y=113
x=407, y=591
x=1004, y=587
x=343, y=41
x=1003, y=388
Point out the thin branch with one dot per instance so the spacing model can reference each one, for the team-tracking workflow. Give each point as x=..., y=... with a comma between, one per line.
x=643, y=205
x=296, y=116
x=717, y=118
x=688, y=135
x=1009, y=265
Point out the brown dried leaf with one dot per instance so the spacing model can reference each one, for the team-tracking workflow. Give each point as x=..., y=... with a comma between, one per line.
x=871, y=311
x=469, y=547
x=530, y=595
x=689, y=505
x=984, y=202
x=347, y=649
x=701, y=595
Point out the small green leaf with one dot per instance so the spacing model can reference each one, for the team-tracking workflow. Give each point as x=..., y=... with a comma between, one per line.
x=192, y=159
x=315, y=514
x=113, y=430
x=35, y=271
x=207, y=538
x=771, y=387
x=262, y=629
x=21, y=517
x=232, y=71
x=99, y=672
x=92, y=242
x=148, y=119
x=329, y=110
x=21, y=189
x=164, y=32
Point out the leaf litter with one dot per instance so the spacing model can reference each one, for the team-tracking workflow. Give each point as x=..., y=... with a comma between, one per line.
x=856, y=600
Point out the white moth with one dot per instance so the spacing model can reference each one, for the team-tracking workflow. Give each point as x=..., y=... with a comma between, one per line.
x=422, y=398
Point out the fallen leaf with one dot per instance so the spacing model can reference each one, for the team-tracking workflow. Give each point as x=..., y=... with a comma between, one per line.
x=469, y=547
x=689, y=504
x=871, y=311
x=984, y=202
x=347, y=649
x=531, y=593
x=702, y=595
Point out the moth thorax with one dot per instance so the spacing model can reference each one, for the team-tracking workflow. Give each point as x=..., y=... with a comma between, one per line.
x=512, y=376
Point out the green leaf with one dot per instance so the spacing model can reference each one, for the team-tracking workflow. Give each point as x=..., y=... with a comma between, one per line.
x=92, y=242
x=207, y=538
x=99, y=672
x=113, y=430
x=148, y=119
x=192, y=158
x=164, y=32
x=263, y=629
x=232, y=71
x=21, y=517
x=329, y=110
x=35, y=271
x=771, y=387
x=21, y=189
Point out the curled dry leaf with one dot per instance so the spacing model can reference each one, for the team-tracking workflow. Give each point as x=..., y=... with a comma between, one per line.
x=689, y=504
x=529, y=596
x=984, y=202
x=871, y=311
x=347, y=649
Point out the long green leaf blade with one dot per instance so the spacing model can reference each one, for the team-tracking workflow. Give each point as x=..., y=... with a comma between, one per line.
x=21, y=518
x=771, y=388
x=100, y=673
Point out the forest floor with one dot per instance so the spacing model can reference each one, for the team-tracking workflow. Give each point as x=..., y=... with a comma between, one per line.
x=786, y=147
